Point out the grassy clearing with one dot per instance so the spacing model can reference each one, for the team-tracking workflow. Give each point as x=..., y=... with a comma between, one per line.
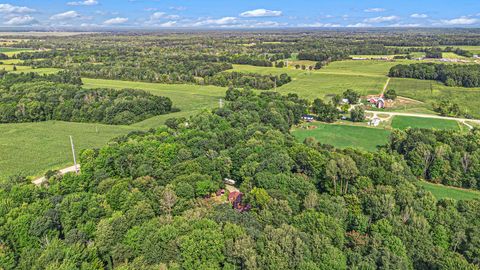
x=441, y=191
x=432, y=91
x=33, y=148
x=404, y=122
x=343, y=136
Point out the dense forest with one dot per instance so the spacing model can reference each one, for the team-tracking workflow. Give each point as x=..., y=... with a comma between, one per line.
x=450, y=75
x=441, y=156
x=149, y=201
x=33, y=98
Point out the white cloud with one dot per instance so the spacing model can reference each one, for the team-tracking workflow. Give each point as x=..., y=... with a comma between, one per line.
x=405, y=25
x=374, y=10
x=359, y=25
x=419, y=16
x=168, y=24
x=9, y=9
x=162, y=15
x=460, y=21
x=65, y=16
x=381, y=19
x=22, y=20
x=117, y=20
x=83, y=3
x=261, y=13
x=216, y=22
x=318, y=24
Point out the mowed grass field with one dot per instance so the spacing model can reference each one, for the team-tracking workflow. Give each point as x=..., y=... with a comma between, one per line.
x=441, y=191
x=432, y=91
x=343, y=136
x=32, y=148
x=404, y=122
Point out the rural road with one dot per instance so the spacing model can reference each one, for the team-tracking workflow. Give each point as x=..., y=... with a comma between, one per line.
x=385, y=87
x=42, y=179
x=462, y=120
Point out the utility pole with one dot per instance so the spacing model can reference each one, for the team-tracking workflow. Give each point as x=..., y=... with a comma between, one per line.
x=220, y=103
x=73, y=153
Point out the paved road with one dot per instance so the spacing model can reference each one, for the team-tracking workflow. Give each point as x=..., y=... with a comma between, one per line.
x=462, y=120
x=41, y=180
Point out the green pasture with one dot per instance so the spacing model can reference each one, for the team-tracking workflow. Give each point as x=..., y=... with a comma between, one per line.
x=33, y=148
x=344, y=136
x=432, y=91
x=441, y=191
x=404, y=122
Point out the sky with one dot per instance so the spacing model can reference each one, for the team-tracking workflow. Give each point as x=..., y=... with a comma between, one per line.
x=228, y=14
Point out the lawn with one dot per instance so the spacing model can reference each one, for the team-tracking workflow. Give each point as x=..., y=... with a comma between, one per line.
x=433, y=91
x=343, y=136
x=33, y=148
x=404, y=122
x=441, y=191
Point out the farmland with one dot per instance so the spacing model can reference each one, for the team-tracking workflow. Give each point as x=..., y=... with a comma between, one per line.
x=33, y=148
x=344, y=136
x=404, y=122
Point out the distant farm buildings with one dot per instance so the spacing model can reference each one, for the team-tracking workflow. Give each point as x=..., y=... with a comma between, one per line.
x=377, y=102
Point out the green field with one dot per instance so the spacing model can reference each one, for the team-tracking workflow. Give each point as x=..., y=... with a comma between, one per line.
x=12, y=51
x=404, y=122
x=334, y=79
x=343, y=136
x=441, y=191
x=433, y=91
x=33, y=148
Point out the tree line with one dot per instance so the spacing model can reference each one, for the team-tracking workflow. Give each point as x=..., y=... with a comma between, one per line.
x=441, y=156
x=45, y=98
x=249, y=80
x=450, y=75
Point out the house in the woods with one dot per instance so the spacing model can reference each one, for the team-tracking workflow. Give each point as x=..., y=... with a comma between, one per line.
x=236, y=199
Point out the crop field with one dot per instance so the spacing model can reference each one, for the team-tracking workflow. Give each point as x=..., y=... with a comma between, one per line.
x=32, y=148
x=441, y=191
x=343, y=136
x=432, y=91
x=404, y=122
